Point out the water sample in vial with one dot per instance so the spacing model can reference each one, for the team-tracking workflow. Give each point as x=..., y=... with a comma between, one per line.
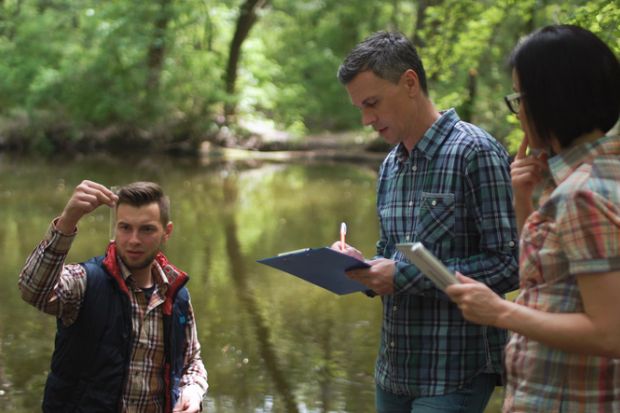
x=112, y=232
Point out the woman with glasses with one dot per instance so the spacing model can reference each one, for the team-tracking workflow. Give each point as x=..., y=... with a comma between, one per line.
x=564, y=352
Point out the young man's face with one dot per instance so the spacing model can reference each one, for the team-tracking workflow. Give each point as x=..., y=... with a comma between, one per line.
x=384, y=105
x=139, y=234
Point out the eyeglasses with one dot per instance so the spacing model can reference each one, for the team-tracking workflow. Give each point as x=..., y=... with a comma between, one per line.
x=513, y=101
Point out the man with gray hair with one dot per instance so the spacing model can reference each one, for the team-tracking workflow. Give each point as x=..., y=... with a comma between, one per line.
x=446, y=183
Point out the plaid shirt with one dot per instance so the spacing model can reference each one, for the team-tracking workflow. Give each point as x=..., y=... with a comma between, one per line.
x=58, y=289
x=452, y=193
x=575, y=232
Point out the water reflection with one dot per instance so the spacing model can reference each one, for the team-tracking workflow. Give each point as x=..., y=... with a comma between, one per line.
x=271, y=342
x=250, y=303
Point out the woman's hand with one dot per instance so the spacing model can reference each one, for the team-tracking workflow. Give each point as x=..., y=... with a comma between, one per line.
x=479, y=303
x=526, y=173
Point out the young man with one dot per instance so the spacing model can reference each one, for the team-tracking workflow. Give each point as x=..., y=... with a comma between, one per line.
x=126, y=336
x=446, y=183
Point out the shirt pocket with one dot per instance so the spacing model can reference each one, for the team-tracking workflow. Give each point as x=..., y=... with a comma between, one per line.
x=436, y=218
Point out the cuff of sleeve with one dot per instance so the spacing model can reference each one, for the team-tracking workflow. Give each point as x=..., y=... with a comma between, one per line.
x=57, y=240
x=594, y=265
x=400, y=278
x=198, y=390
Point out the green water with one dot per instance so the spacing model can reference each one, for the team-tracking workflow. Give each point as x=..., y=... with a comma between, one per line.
x=271, y=342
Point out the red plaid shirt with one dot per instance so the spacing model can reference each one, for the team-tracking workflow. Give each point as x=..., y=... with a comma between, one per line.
x=58, y=289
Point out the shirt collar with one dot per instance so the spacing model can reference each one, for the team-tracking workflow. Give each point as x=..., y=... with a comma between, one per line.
x=159, y=276
x=433, y=138
x=564, y=163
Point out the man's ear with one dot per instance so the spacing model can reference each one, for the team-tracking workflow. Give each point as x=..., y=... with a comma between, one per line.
x=412, y=82
x=168, y=230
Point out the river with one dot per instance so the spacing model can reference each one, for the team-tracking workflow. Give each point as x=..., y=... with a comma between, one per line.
x=270, y=342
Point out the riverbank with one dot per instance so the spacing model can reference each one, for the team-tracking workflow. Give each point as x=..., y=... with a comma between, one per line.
x=265, y=143
x=247, y=139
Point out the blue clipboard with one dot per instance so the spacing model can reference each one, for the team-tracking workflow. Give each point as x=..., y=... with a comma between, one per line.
x=324, y=267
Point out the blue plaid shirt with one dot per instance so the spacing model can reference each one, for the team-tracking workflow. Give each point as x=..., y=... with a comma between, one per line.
x=452, y=193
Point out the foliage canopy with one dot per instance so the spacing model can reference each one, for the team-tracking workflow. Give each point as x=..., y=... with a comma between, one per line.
x=79, y=73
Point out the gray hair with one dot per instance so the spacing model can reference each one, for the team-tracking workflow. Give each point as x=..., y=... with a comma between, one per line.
x=387, y=54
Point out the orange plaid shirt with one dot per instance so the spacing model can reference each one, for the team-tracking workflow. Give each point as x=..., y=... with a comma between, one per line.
x=575, y=232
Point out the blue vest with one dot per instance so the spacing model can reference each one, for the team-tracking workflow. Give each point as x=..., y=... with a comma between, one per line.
x=91, y=356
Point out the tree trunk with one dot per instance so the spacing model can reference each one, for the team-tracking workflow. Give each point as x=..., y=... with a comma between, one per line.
x=467, y=110
x=43, y=5
x=209, y=32
x=247, y=18
x=393, y=25
x=157, y=48
x=420, y=22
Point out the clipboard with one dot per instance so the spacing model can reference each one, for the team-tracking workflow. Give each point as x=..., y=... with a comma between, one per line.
x=430, y=265
x=324, y=267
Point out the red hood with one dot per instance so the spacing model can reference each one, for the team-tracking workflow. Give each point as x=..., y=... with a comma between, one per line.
x=176, y=277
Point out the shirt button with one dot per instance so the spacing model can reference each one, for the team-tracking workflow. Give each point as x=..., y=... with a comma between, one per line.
x=407, y=237
x=392, y=344
x=434, y=202
x=511, y=244
x=394, y=308
x=410, y=203
x=414, y=168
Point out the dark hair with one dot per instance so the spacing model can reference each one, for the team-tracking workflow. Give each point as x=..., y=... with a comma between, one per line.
x=570, y=81
x=138, y=194
x=387, y=54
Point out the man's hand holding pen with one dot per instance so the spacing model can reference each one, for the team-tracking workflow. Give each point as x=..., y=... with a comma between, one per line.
x=379, y=277
x=348, y=250
x=344, y=248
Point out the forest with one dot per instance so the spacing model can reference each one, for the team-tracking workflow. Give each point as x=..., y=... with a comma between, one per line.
x=170, y=75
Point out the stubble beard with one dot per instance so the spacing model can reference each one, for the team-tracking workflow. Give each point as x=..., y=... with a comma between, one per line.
x=142, y=264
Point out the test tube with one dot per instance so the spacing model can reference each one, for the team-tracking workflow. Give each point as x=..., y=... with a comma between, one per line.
x=113, y=216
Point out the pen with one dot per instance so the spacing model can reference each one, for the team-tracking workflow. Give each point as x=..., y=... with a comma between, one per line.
x=343, y=232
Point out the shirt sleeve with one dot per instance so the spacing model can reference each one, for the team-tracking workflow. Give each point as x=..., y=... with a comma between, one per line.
x=194, y=373
x=489, y=202
x=589, y=230
x=382, y=242
x=49, y=285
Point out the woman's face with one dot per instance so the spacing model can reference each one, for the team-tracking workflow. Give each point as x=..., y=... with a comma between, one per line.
x=535, y=143
x=529, y=131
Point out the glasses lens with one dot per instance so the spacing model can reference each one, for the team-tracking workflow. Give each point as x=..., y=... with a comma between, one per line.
x=516, y=102
x=512, y=101
x=514, y=105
